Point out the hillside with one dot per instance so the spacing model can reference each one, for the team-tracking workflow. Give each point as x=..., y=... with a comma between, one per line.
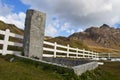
x=102, y=37
x=73, y=43
x=12, y=27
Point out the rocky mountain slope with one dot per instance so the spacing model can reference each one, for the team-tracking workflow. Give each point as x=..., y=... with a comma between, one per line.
x=103, y=36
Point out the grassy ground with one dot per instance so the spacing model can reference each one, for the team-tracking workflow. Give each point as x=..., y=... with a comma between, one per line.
x=109, y=71
x=21, y=71
x=24, y=69
x=112, y=69
x=103, y=49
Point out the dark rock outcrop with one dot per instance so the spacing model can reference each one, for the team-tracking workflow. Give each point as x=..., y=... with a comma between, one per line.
x=104, y=35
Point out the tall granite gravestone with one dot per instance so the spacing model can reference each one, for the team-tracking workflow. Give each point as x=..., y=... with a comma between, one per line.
x=34, y=33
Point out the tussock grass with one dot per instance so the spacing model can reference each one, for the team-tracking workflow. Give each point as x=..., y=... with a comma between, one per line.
x=103, y=49
x=25, y=69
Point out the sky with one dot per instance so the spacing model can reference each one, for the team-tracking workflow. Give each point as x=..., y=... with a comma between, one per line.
x=64, y=17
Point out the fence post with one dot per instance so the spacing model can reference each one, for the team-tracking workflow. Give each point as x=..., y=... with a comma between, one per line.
x=92, y=54
x=5, y=45
x=68, y=50
x=55, y=47
x=83, y=53
x=76, y=52
x=108, y=55
x=88, y=54
x=97, y=55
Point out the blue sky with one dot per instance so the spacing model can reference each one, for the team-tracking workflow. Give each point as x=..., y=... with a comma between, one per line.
x=64, y=17
x=18, y=6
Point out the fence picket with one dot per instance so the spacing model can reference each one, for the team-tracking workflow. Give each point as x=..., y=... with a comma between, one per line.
x=83, y=53
x=77, y=53
x=1, y=42
x=6, y=38
x=0, y=51
x=55, y=47
x=68, y=50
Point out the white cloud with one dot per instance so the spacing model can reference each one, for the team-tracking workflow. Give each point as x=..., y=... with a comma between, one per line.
x=80, y=12
x=5, y=9
x=65, y=27
x=50, y=30
x=17, y=19
x=70, y=15
x=7, y=16
x=80, y=30
x=72, y=31
x=56, y=23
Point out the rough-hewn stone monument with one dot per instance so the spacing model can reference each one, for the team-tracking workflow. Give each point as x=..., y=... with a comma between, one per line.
x=34, y=33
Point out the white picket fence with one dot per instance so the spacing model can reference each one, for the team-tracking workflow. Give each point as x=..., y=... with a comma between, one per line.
x=67, y=52
x=6, y=42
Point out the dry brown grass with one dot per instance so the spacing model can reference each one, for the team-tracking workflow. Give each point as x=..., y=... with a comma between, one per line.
x=103, y=49
x=113, y=52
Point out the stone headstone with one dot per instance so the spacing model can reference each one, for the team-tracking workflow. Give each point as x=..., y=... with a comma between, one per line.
x=34, y=33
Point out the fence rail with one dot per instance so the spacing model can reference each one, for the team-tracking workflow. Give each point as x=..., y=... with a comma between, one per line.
x=67, y=52
x=75, y=53
x=7, y=34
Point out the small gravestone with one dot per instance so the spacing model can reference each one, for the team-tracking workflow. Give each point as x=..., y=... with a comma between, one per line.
x=34, y=33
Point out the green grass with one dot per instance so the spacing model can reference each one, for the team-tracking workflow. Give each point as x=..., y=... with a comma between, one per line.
x=112, y=69
x=21, y=71
x=25, y=69
x=109, y=71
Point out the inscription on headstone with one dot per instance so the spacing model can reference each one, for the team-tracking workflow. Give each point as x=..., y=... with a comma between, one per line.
x=34, y=33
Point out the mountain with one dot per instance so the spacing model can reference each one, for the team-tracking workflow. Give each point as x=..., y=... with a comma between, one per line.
x=65, y=41
x=12, y=27
x=47, y=37
x=103, y=36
